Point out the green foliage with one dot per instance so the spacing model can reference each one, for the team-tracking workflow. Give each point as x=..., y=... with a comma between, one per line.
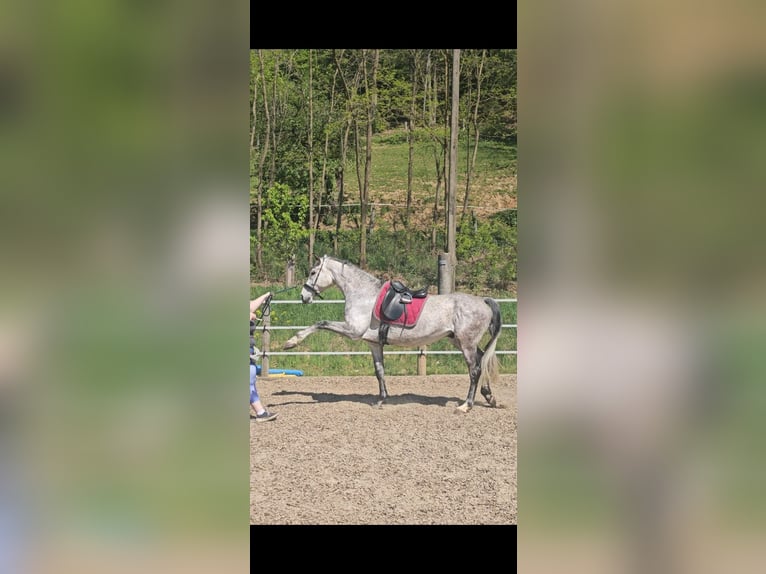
x=486, y=252
x=284, y=219
x=497, y=111
x=487, y=256
x=486, y=247
x=405, y=254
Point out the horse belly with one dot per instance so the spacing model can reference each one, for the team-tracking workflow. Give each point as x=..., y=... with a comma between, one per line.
x=414, y=337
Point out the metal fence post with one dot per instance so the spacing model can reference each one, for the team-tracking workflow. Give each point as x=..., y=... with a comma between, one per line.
x=445, y=274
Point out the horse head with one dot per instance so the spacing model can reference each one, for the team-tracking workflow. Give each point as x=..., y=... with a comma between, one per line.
x=320, y=278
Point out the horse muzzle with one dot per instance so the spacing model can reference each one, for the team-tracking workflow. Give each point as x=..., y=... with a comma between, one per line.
x=308, y=292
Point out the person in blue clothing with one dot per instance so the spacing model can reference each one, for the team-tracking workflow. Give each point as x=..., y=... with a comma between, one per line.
x=258, y=411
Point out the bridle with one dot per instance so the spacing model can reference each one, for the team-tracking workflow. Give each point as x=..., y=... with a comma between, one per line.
x=312, y=288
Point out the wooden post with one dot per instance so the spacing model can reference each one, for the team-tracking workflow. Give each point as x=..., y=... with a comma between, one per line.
x=422, y=361
x=266, y=342
x=290, y=272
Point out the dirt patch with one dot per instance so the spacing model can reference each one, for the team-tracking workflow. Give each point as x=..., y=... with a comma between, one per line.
x=331, y=458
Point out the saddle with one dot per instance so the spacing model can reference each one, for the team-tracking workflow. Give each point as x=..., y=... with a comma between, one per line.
x=397, y=298
x=398, y=305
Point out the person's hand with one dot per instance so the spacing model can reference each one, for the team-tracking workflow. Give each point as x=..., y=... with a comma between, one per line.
x=256, y=304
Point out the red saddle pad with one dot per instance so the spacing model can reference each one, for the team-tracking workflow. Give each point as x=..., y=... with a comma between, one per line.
x=411, y=311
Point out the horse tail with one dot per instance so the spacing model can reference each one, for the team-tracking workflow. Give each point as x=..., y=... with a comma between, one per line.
x=489, y=364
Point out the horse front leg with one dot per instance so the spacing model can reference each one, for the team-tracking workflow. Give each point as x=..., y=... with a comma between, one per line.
x=339, y=327
x=377, y=360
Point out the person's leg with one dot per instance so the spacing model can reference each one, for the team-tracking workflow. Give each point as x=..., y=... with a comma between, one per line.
x=255, y=400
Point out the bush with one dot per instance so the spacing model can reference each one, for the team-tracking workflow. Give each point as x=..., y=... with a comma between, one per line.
x=486, y=253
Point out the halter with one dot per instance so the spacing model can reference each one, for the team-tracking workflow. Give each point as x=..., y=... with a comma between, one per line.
x=312, y=288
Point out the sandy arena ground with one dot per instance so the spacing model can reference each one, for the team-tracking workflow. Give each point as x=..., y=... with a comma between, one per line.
x=331, y=458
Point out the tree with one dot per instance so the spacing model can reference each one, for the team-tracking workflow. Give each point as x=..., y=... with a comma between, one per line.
x=311, y=157
x=371, y=92
x=451, y=207
x=331, y=104
x=475, y=123
x=414, y=66
x=437, y=131
x=261, y=162
x=350, y=90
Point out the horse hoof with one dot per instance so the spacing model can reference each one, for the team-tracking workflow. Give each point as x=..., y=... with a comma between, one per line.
x=290, y=343
x=492, y=402
x=464, y=408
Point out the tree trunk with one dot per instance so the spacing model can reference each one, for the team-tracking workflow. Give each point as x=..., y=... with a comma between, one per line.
x=261, y=162
x=445, y=143
x=311, y=159
x=475, y=124
x=357, y=160
x=451, y=210
x=427, y=91
x=371, y=93
x=255, y=116
x=411, y=138
x=344, y=142
x=355, y=120
x=273, y=168
x=437, y=195
x=326, y=151
x=339, y=183
x=252, y=155
x=439, y=135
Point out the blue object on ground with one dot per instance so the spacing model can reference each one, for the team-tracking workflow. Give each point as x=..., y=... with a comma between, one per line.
x=280, y=371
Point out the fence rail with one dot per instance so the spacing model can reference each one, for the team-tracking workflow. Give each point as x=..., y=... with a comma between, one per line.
x=422, y=352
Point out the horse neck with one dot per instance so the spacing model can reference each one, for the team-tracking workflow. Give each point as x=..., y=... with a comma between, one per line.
x=351, y=279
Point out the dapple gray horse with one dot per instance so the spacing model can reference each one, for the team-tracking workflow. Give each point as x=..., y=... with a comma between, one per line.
x=461, y=317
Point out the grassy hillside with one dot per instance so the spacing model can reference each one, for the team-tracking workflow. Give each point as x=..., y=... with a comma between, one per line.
x=486, y=244
x=493, y=182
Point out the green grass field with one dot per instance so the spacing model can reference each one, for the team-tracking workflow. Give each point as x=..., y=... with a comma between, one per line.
x=304, y=315
x=493, y=180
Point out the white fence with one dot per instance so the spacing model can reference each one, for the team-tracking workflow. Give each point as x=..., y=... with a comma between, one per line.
x=422, y=352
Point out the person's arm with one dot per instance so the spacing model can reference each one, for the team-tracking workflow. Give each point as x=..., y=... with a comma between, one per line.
x=255, y=304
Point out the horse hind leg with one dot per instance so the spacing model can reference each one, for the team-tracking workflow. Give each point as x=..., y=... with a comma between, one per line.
x=377, y=359
x=488, y=396
x=477, y=376
x=486, y=391
x=473, y=360
x=487, y=373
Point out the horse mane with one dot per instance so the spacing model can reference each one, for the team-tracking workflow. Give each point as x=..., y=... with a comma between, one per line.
x=346, y=262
